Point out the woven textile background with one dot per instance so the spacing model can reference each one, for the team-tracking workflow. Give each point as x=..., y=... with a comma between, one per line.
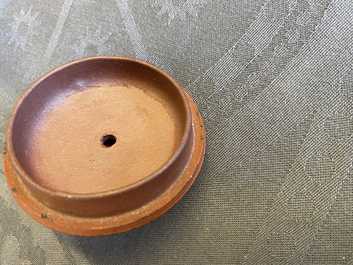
x=273, y=80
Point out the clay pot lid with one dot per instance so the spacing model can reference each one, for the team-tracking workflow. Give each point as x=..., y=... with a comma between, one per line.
x=103, y=145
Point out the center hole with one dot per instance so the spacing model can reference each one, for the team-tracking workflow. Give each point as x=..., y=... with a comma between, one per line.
x=108, y=140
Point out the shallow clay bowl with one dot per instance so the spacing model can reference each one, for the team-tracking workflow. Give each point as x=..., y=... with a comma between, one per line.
x=103, y=145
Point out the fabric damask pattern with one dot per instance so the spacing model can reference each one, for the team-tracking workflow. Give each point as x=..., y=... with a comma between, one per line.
x=273, y=80
x=175, y=10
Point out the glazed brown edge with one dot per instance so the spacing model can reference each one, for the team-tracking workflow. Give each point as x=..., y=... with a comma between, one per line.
x=35, y=187
x=180, y=89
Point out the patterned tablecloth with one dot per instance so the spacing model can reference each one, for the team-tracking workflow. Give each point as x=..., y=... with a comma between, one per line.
x=273, y=80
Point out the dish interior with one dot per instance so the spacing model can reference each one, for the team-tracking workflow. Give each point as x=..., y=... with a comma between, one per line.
x=98, y=125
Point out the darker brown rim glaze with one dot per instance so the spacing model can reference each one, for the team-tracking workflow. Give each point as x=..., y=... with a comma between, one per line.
x=88, y=204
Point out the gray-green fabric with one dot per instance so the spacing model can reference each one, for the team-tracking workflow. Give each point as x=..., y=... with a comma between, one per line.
x=273, y=80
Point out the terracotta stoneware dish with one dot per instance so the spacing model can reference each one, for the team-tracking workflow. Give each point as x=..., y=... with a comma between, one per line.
x=103, y=145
